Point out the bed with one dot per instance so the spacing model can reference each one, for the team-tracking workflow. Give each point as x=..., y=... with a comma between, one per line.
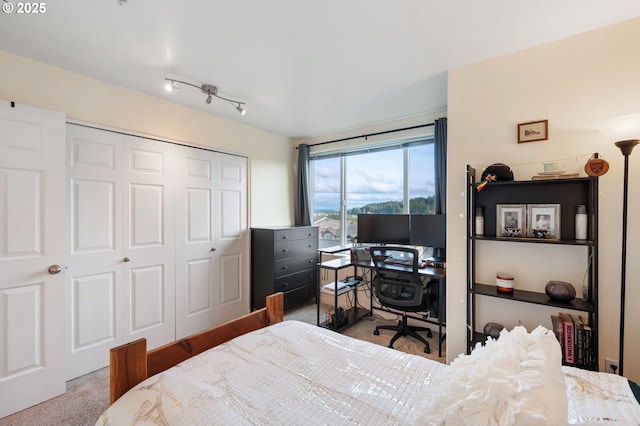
x=260, y=369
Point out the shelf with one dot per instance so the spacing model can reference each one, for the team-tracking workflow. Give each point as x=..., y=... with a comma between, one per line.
x=585, y=243
x=347, y=288
x=335, y=264
x=539, y=181
x=526, y=296
x=352, y=315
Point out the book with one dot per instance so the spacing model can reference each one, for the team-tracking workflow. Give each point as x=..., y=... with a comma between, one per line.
x=579, y=341
x=588, y=344
x=568, y=330
x=556, y=321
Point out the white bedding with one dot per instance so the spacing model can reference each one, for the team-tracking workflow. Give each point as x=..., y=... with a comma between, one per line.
x=295, y=373
x=599, y=398
x=289, y=373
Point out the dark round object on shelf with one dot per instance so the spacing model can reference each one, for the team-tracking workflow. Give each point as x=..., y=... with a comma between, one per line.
x=493, y=329
x=501, y=171
x=561, y=291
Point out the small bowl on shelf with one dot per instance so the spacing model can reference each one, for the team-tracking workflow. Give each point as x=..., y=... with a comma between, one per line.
x=560, y=291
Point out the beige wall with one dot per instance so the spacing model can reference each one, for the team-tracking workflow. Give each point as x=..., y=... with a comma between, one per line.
x=576, y=83
x=93, y=101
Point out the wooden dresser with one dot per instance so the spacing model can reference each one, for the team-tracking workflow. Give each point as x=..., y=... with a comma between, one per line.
x=284, y=259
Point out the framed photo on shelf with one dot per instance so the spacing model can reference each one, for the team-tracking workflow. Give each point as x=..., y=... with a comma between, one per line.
x=543, y=220
x=511, y=220
x=533, y=131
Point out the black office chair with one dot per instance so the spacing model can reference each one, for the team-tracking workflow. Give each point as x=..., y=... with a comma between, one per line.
x=399, y=287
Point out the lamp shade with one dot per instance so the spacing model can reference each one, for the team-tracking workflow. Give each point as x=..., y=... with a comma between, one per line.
x=622, y=128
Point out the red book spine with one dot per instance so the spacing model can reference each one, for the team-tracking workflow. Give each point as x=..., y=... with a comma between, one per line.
x=569, y=339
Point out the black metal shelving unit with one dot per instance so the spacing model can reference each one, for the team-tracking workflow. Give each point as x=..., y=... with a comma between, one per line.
x=568, y=192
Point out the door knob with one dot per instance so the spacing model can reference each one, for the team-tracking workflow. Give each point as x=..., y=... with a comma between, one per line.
x=126, y=259
x=213, y=249
x=55, y=269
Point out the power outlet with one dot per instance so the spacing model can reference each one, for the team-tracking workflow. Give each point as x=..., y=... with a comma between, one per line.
x=610, y=366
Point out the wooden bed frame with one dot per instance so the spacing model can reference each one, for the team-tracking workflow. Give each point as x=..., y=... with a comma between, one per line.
x=130, y=363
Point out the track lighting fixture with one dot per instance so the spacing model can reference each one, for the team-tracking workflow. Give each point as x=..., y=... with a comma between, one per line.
x=208, y=90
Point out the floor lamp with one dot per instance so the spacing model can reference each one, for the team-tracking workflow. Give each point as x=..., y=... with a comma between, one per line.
x=626, y=147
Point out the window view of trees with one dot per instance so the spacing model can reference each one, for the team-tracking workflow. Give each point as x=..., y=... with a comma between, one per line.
x=374, y=182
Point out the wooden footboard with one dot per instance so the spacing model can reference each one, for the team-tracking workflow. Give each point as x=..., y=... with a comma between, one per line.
x=131, y=363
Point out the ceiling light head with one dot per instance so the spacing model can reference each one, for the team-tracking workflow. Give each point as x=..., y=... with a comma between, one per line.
x=241, y=110
x=209, y=90
x=169, y=85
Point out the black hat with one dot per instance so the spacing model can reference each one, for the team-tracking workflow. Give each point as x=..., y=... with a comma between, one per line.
x=501, y=172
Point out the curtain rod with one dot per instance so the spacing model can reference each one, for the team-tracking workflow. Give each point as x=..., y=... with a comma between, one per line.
x=372, y=134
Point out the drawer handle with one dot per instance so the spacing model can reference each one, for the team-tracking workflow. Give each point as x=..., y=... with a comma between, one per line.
x=285, y=250
x=285, y=267
x=284, y=237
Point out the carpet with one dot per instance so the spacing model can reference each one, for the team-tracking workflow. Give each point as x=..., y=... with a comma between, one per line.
x=88, y=396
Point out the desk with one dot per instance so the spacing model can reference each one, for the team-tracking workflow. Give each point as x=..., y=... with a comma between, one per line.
x=438, y=274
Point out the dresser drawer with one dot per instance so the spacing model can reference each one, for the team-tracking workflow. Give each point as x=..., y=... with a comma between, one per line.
x=300, y=279
x=295, y=264
x=293, y=248
x=299, y=296
x=297, y=234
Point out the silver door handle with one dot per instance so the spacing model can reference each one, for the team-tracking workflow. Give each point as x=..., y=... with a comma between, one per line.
x=126, y=259
x=55, y=269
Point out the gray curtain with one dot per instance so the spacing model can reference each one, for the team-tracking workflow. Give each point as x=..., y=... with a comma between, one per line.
x=302, y=207
x=441, y=165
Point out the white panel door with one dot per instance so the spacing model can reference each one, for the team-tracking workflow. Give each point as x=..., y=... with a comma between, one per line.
x=149, y=246
x=195, y=251
x=231, y=238
x=32, y=239
x=94, y=278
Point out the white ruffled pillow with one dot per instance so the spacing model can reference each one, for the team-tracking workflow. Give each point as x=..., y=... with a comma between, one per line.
x=516, y=379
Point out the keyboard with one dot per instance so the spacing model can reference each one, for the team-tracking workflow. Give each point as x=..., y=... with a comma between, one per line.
x=404, y=262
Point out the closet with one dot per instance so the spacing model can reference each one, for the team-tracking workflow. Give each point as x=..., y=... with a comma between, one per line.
x=157, y=242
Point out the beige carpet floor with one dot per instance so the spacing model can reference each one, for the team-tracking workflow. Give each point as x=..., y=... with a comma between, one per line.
x=88, y=395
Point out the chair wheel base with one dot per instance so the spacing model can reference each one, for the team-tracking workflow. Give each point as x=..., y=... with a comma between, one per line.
x=427, y=350
x=376, y=333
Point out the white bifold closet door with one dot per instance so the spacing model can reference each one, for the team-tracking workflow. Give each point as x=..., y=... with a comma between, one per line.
x=212, y=240
x=144, y=258
x=32, y=256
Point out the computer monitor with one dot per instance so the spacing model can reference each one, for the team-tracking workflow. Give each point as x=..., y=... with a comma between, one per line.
x=383, y=228
x=430, y=230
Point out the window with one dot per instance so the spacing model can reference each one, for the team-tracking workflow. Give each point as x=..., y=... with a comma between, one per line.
x=390, y=179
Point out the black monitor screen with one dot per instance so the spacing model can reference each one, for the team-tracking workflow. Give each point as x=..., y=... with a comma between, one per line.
x=429, y=230
x=383, y=228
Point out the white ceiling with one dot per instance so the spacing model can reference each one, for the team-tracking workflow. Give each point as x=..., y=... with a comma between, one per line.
x=303, y=67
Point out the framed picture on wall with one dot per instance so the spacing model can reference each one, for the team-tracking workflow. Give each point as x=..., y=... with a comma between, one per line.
x=510, y=220
x=543, y=220
x=533, y=131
